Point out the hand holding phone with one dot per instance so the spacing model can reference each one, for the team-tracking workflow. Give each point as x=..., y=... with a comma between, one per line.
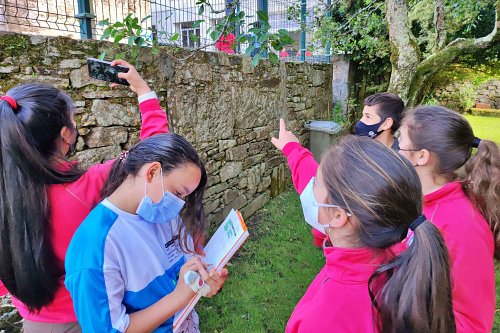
x=105, y=71
x=130, y=76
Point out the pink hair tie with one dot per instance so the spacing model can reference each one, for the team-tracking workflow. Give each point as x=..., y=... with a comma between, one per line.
x=11, y=101
x=123, y=155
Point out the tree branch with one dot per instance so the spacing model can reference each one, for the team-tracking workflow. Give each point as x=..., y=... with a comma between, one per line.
x=449, y=55
x=439, y=24
x=232, y=7
x=461, y=46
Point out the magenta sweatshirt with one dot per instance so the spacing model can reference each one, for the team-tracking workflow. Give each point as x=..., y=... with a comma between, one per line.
x=466, y=234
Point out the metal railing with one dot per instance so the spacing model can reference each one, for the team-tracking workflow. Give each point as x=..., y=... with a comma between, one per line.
x=79, y=19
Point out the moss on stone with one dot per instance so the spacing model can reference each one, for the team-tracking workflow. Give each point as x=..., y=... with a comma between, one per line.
x=13, y=44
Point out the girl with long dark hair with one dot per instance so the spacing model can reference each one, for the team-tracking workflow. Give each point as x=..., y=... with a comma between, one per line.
x=126, y=262
x=366, y=197
x=44, y=196
x=460, y=177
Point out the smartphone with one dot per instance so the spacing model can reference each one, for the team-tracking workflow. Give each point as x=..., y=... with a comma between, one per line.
x=102, y=70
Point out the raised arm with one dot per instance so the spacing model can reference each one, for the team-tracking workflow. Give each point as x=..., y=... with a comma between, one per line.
x=302, y=165
x=154, y=119
x=300, y=160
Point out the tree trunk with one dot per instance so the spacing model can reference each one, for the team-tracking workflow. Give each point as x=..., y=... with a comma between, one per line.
x=405, y=54
x=439, y=24
x=410, y=77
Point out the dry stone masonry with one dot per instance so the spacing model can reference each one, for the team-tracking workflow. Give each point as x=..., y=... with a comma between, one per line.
x=222, y=104
x=486, y=95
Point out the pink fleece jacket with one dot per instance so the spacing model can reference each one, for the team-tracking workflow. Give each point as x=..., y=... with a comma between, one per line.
x=470, y=245
x=466, y=234
x=338, y=300
x=70, y=204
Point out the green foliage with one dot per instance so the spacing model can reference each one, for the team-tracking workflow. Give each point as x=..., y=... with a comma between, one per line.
x=462, y=99
x=485, y=112
x=430, y=100
x=338, y=115
x=258, y=37
x=13, y=45
x=476, y=75
x=355, y=27
x=463, y=19
x=471, y=78
x=135, y=35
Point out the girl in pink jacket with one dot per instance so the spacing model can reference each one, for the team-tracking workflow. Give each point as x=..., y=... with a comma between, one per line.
x=45, y=196
x=465, y=208
x=365, y=197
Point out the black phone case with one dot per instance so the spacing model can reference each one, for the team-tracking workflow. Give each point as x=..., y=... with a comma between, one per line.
x=102, y=70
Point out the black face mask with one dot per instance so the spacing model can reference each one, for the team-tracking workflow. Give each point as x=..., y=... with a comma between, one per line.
x=362, y=129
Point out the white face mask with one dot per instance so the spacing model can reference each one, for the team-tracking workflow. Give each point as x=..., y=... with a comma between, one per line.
x=310, y=207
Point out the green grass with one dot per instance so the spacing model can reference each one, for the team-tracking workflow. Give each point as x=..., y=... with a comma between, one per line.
x=271, y=272
x=485, y=127
x=269, y=275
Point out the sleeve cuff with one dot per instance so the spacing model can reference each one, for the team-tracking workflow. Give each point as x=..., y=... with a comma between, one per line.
x=147, y=96
x=290, y=146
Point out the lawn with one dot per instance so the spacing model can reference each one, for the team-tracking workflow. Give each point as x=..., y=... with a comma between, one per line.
x=485, y=127
x=269, y=275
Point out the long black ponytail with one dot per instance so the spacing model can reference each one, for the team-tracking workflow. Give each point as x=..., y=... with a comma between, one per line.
x=28, y=151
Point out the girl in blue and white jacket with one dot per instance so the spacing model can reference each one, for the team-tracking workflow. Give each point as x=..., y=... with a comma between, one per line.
x=124, y=261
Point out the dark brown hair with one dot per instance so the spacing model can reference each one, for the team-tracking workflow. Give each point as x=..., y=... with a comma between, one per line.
x=29, y=137
x=388, y=106
x=449, y=137
x=172, y=151
x=382, y=191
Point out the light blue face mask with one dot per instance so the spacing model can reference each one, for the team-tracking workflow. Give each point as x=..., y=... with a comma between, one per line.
x=165, y=210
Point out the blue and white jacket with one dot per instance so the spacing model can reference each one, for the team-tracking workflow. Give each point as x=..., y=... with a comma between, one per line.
x=117, y=263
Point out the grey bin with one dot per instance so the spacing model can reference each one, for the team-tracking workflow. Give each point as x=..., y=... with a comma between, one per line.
x=323, y=135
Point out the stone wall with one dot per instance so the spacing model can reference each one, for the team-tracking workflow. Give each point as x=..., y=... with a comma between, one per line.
x=224, y=106
x=461, y=96
x=220, y=103
x=341, y=81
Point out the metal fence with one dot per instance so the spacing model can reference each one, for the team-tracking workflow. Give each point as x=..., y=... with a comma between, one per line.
x=79, y=19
